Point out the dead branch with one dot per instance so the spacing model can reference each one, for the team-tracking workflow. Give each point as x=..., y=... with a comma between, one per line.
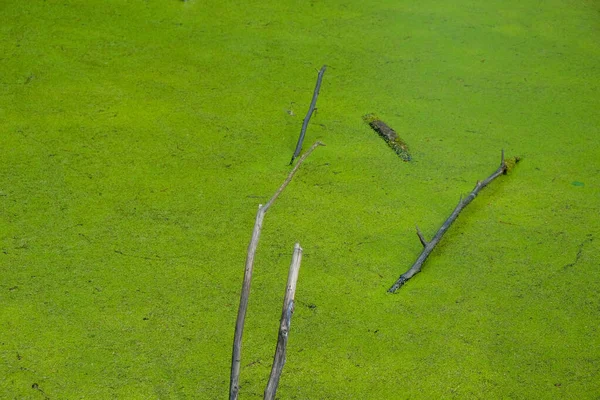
x=309, y=114
x=284, y=326
x=429, y=246
x=245, y=294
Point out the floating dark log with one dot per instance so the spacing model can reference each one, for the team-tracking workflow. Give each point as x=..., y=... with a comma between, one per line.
x=389, y=135
x=428, y=247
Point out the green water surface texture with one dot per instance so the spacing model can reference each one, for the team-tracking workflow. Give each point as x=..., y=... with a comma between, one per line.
x=138, y=138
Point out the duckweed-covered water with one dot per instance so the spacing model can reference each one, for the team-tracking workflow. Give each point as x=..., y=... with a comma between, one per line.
x=139, y=137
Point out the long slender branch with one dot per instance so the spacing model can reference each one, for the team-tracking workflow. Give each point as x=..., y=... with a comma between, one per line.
x=284, y=326
x=429, y=246
x=311, y=109
x=236, y=356
x=291, y=174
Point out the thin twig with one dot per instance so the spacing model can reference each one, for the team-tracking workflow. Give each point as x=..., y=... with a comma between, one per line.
x=239, y=325
x=429, y=246
x=311, y=109
x=292, y=172
x=284, y=326
x=421, y=237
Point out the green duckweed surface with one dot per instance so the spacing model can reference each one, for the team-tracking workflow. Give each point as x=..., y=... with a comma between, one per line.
x=138, y=138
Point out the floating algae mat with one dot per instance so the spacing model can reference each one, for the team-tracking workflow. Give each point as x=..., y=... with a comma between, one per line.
x=389, y=135
x=139, y=146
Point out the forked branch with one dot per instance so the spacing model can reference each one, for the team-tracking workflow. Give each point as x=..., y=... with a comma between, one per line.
x=428, y=246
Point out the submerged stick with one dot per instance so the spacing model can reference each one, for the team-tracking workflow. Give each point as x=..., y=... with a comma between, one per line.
x=389, y=135
x=284, y=326
x=311, y=109
x=429, y=246
x=236, y=356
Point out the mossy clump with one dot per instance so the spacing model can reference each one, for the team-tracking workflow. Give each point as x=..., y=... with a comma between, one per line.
x=510, y=163
x=389, y=135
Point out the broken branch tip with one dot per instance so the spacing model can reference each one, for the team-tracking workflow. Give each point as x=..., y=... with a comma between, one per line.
x=421, y=237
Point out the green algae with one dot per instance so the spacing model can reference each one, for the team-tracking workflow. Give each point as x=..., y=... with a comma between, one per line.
x=139, y=138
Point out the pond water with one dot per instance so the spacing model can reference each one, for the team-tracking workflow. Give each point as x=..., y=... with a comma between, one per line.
x=139, y=137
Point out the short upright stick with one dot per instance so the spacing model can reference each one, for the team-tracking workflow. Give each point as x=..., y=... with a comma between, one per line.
x=284, y=326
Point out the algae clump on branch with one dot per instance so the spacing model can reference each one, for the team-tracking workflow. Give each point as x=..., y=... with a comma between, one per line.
x=389, y=135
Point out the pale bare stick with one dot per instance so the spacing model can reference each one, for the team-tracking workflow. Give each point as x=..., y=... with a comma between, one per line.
x=245, y=294
x=284, y=326
x=292, y=172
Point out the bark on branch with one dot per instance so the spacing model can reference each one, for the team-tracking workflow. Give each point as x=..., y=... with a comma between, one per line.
x=429, y=246
x=309, y=114
x=239, y=325
x=284, y=326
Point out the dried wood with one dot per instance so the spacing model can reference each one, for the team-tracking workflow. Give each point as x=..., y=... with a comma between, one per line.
x=309, y=114
x=284, y=326
x=429, y=246
x=245, y=293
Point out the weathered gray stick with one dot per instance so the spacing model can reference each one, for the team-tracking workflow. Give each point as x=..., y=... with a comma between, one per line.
x=236, y=356
x=429, y=246
x=311, y=109
x=284, y=326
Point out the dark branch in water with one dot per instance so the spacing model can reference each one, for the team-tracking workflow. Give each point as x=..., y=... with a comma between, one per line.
x=389, y=135
x=311, y=110
x=429, y=246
